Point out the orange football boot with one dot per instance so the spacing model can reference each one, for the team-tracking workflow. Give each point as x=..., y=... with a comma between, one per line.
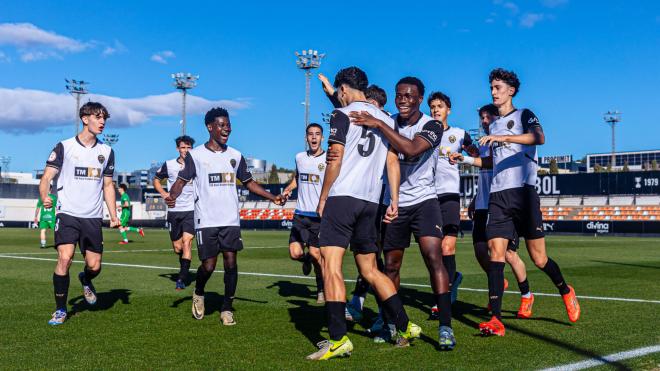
x=572, y=305
x=525, y=310
x=492, y=327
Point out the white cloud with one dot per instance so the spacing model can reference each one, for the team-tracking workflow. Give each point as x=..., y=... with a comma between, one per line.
x=509, y=5
x=34, y=43
x=115, y=48
x=529, y=20
x=163, y=56
x=553, y=3
x=4, y=57
x=27, y=110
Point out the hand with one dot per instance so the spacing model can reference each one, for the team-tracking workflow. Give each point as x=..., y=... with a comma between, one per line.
x=391, y=213
x=364, y=118
x=286, y=194
x=171, y=202
x=320, y=207
x=331, y=156
x=47, y=202
x=455, y=157
x=279, y=200
x=36, y=220
x=165, y=195
x=488, y=139
x=114, y=222
x=327, y=86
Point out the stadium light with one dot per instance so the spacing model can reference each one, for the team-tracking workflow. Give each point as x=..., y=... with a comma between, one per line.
x=184, y=82
x=612, y=118
x=111, y=139
x=308, y=60
x=4, y=163
x=77, y=88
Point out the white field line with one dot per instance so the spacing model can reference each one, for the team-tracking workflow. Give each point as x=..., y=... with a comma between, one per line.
x=634, y=353
x=604, y=298
x=54, y=252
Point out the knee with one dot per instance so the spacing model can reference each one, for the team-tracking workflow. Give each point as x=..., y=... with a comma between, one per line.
x=295, y=255
x=369, y=274
x=209, y=265
x=540, y=261
x=64, y=261
x=178, y=246
x=392, y=268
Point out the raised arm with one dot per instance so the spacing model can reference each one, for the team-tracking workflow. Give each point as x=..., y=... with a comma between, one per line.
x=329, y=90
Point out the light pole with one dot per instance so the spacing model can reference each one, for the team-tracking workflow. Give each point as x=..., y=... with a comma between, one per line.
x=77, y=88
x=111, y=139
x=183, y=82
x=4, y=166
x=612, y=118
x=308, y=60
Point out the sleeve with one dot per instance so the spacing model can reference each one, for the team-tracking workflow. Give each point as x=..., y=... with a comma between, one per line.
x=529, y=120
x=339, y=124
x=188, y=173
x=110, y=165
x=432, y=133
x=162, y=172
x=467, y=140
x=334, y=100
x=56, y=157
x=242, y=173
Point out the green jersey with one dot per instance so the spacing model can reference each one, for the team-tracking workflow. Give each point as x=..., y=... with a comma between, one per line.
x=47, y=214
x=125, y=202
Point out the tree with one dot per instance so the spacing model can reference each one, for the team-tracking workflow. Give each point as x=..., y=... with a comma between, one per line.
x=625, y=167
x=609, y=167
x=654, y=165
x=554, y=169
x=272, y=177
x=598, y=168
x=542, y=172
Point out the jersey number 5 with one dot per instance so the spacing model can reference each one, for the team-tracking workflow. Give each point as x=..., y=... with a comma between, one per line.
x=365, y=149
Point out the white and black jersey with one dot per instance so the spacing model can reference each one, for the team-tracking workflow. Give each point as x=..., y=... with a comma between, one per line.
x=447, y=178
x=80, y=179
x=483, y=184
x=514, y=165
x=215, y=175
x=170, y=171
x=365, y=153
x=310, y=172
x=418, y=172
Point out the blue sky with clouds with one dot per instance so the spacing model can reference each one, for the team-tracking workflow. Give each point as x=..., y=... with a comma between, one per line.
x=576, y=60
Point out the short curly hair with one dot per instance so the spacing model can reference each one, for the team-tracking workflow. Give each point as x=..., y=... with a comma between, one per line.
x=411, y=80
x=509, y=77
x=353, y=77
x=377, y=93
x=437, y=95
x=214, y=113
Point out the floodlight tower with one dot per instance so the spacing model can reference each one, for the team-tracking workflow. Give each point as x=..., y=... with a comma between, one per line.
x=184, y=82
x=4, y=163
x=308, y=60
x=77, y=88
x=612, y=118
x=111, y=139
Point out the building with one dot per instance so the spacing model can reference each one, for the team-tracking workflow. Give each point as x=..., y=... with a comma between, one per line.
x=635, y=160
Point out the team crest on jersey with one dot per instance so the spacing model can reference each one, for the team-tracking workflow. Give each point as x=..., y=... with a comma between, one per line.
x=232, y=162
x=52, y=156
x=321, y=166
x=510, y=124
x=101, y=158
x=452, y=139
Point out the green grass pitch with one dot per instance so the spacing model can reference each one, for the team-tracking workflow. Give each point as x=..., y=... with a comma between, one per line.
x=141, y=322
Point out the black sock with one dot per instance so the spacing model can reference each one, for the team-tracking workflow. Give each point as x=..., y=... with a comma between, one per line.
x=496, y=287
x=524, y=287
x=184, y=268
x=449, y=262
x=89, y=275
x=231, y=280
x=444, y=308
x=336, y=319
x=361, y=287
x=552, y=270
x=396, y=314
x=61, y=290
x=319, y=279
x=202, y=277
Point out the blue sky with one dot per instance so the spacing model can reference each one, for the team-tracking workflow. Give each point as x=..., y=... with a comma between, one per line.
x=576, y=60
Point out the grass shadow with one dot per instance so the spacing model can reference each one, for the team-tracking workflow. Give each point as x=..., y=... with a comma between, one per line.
x=104, y=301
x=190, y=277
x=627, y=264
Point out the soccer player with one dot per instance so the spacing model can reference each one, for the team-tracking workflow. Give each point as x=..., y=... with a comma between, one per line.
x=125, y=203
x=348, y=206
x=478, y=212
x=85, y=166
x=447, y=184
x=310, y=169
x=415, y=138
x=374, y=93
x=181, y=219
x=215, y=167
x=45, y=217
x=514, y=206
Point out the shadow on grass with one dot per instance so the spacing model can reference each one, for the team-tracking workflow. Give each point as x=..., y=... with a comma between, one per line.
x=627, y=264
x=213, y=302
x=104, y=301
x=190, y=277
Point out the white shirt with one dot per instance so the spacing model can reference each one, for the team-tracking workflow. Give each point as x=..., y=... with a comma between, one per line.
x=447, y=177
x=80, y=178
x=311, y=171
x=170, y=171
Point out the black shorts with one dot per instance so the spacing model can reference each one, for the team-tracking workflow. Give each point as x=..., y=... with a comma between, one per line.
x=515, y=212
x=212, y=241
x=479, y=230
x=450, y=205
x=86, y=232
x=422, y=220
x=305, y=230
x=349, y=221
x=380, y=226
x=180, y=222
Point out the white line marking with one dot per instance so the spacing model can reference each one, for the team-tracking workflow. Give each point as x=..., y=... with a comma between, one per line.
x=604, y=298
x=634, y=353
x=54, y=252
